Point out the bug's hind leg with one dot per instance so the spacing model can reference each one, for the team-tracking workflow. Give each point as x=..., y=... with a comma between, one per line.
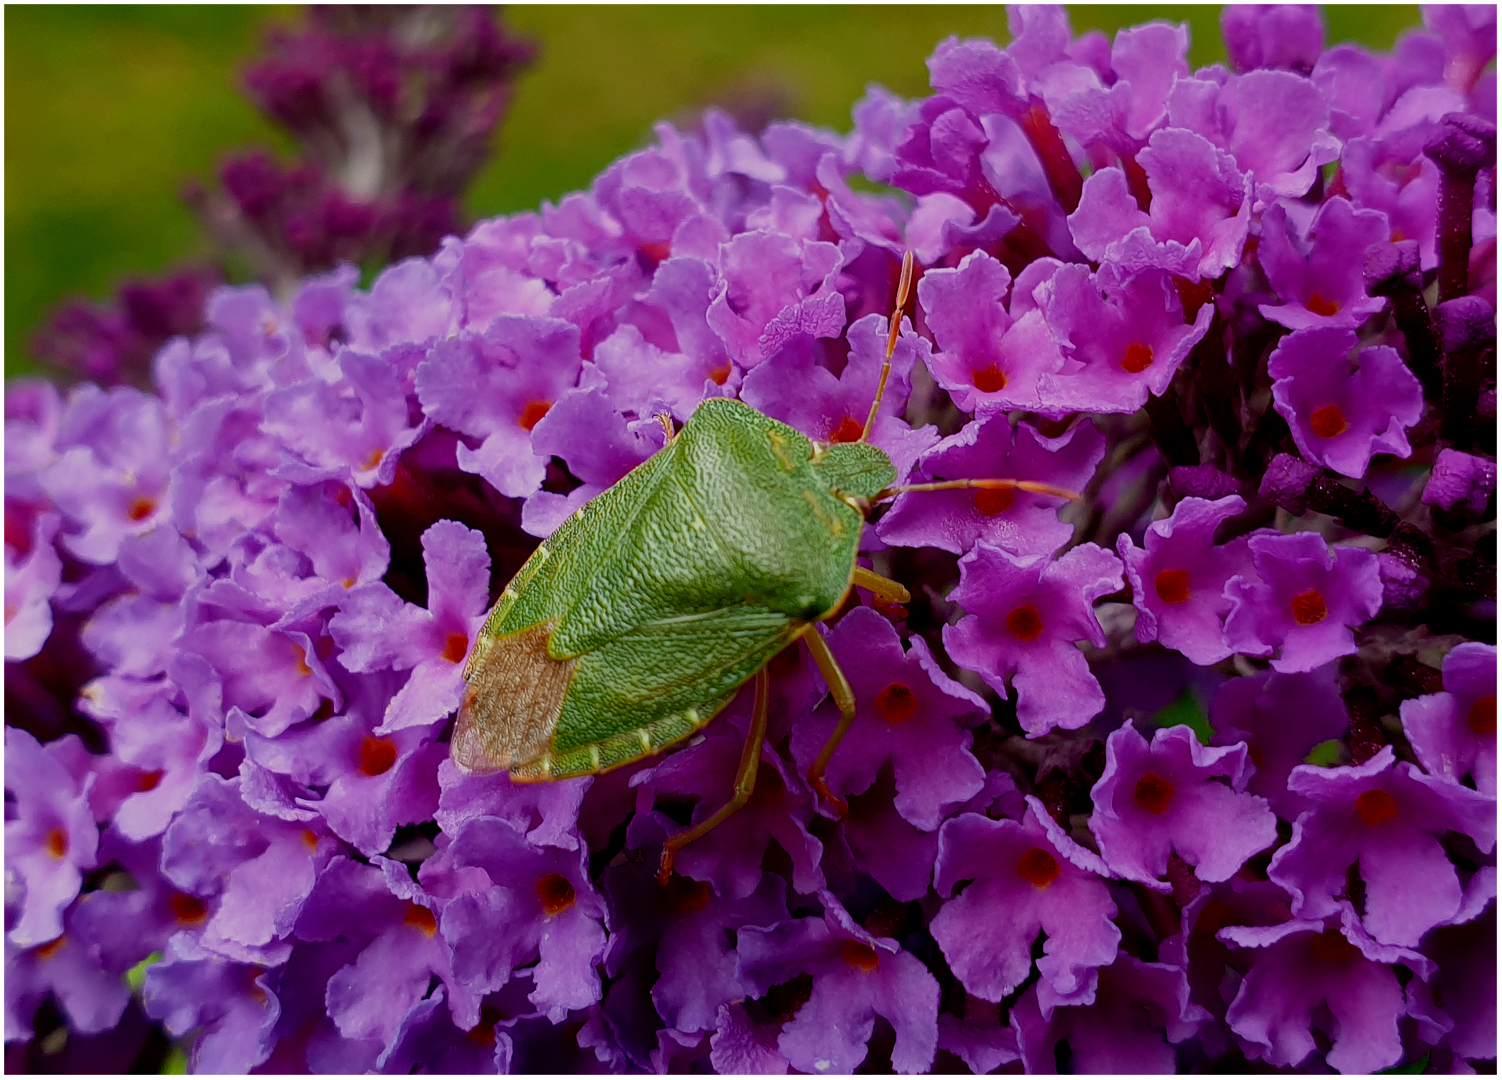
x=745, y=781
x=844, y=697
x=892, y=592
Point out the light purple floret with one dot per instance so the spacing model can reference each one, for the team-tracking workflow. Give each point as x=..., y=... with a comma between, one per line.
x=1342, y=411
x=1176, y=796
x=1318, y=278
x=1454, y=733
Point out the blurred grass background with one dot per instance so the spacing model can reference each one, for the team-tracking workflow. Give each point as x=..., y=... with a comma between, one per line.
x=109, y=108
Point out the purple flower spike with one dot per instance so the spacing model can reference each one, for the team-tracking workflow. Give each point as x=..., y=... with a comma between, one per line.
x=1122, y=339
x=986, y=357
x=1017, y=521
x=1255, y=709
x=1308, y=967
x=1179, y=577
x=906, y=713
x=1170, y=798
x=1305, y=600
x=1454, y=733
x=1323, y=285
x=1027, y=878
x=856, y=978
x=1341, y=412
x=1025, y=616
x=1385, y=817
x=52, y=837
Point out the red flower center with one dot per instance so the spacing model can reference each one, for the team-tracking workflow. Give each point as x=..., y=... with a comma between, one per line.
x=1172, y=586
x=186, y=909
x=1376, y=806
x=1308, y=607
x=1038, y=867
x=455, y=648
x=993, y=501
x=860, y=955
x=896, y=703
x=1321, y=306
x=556, y=893
x=532, y=413
x=1482, y=717
x=422, y=918
x=1137, y=357
x=376, y=755
x=847, y=430
x=57, y=842
x=141, y=508
x=1332, y=947
x=685, y=895
x=1024, y=622
x=988, y=380
x=1328, y=421
x=1153, y=793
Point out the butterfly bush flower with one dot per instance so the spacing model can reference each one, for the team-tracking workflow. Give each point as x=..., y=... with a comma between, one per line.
x=1196, y=771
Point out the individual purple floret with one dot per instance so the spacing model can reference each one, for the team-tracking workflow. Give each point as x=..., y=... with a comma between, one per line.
x=31, y=577
x=1022, y=522
x=1272, y=36
x=1461, y=482
x=1318, y=278
x=907, y=712
x=1179, y=576
x=1140, y=1011
x=1025, y=616
x=1341, y=412
x=52, y=837
x=1454, y=733
x=1025, y=879
x=1177, y=797
x=856, y=978
x=1302, y=600
x=1385, y=817
x=1326, y=973
x=1255, y=709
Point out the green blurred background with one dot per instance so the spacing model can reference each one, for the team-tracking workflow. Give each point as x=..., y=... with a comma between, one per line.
x=109, y=108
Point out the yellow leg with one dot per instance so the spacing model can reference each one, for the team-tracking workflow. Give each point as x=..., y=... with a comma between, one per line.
x=745, y=781
x=891, y=591
x=844, y=697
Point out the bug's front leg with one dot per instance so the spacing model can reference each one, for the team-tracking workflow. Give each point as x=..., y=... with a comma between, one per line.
x=892, y=592
x=745, y=781
x=844, y=697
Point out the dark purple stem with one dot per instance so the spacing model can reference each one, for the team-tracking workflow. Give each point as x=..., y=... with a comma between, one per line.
x=1461, y=147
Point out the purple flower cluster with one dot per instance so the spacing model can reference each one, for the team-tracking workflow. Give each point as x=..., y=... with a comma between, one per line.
x=1196, y=773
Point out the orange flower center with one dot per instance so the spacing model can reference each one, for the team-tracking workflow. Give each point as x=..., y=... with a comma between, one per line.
x=1321, y=306
x=189, y=910
x=685, y=895
x=896, y=703
x=1137, y=357
x=456, y=648
x=50, y=949
x=1153, y=793
x=993, y=501
x=1332, y=947
x=1376, y=806
x=556, y=893
x=1024, y=622
x=149, y=780
x=860, y=955
x=1172, y=586
x=1482, y=717
x=422, y=918
x=1038, y=867
x=1308, y=607
x=988, y=380
x=1328, y=421
x=720, y=374
x=847, y=430
x=57, y=842
x=532, y=413
x=376, y=755
x=141, y=508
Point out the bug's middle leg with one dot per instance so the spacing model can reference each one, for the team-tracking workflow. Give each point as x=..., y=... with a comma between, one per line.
x=893, y=592
x=844, y=697
x=745, y=781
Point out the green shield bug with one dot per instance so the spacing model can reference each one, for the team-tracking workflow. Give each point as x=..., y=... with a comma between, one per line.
x=640, y=618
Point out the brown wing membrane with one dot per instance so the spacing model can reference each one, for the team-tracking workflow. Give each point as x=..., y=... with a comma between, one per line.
x=511, y=706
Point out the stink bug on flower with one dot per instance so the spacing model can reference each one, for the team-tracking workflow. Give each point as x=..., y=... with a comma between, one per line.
x=640, y=618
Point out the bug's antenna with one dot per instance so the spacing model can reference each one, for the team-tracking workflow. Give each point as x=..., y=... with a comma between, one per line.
x=904, y=286
x=993, y=484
